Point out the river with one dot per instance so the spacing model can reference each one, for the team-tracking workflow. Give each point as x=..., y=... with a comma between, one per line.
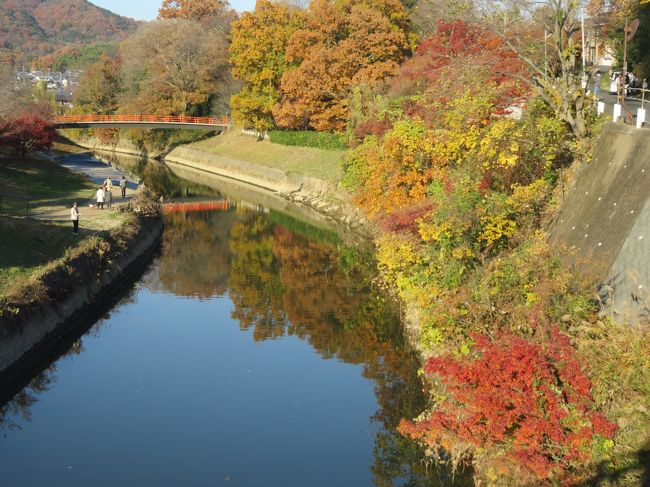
x=253, y=351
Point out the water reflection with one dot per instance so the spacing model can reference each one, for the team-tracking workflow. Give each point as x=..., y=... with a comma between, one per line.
x=287, y=279
x=304, y=283
x=158, y=176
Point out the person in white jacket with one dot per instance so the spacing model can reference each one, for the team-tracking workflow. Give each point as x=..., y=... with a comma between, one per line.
x=74, y=216
x=100, y=198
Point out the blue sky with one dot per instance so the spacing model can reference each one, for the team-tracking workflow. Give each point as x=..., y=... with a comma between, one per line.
x=148, y=9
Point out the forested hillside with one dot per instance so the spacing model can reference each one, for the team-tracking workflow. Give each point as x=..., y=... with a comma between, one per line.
x=36, y=27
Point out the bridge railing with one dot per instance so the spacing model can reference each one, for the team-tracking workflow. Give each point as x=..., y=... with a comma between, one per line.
x=220, y=121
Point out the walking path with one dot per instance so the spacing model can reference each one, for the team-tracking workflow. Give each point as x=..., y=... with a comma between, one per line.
x=97, y=172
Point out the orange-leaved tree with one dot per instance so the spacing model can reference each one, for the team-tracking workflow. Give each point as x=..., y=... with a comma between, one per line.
x=191, y=9
x=343, y=44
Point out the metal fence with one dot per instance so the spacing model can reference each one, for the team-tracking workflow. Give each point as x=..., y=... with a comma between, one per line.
x=14, y=205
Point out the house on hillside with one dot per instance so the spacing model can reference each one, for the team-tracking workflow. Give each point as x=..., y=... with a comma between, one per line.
x=63, y=101
x=599, y=50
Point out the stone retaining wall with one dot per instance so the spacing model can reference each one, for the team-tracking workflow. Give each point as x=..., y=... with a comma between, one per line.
x=49, y=321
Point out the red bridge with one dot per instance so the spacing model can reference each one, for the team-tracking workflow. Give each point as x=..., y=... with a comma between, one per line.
x=141, y=121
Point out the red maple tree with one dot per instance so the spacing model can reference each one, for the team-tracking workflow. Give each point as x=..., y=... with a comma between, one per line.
x=26, y=133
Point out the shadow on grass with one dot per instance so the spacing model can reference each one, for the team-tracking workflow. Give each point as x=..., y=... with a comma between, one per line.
x=635, y=472
x=26, y=244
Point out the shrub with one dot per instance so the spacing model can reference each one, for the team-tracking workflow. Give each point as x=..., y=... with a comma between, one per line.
x=533, y=399
x=318, y=140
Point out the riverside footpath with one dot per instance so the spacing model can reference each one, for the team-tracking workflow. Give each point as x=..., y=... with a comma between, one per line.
x=96, y=172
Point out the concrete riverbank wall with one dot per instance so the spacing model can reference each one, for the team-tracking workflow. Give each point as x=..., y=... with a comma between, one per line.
x=321, y=196
x=90, y=282
x=605, y=217
x=120, y=145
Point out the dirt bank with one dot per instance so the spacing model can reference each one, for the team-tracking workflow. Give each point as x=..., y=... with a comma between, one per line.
x=41, y=311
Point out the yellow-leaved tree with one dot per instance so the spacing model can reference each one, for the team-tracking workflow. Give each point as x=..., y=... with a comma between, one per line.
x=258, y=43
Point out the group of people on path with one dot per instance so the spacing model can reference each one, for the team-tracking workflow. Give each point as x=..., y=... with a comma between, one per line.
x=104, y=194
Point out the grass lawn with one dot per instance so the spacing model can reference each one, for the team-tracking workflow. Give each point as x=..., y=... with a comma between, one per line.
x=28, y=244
x=322, y=164
x=46, y=184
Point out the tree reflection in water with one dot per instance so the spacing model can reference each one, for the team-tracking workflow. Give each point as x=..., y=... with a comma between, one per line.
x=158, y=176
x=288, y=283
x=287, y=279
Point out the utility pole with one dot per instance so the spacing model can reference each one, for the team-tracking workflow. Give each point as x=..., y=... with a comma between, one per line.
x=584, y=58
x=625, y=55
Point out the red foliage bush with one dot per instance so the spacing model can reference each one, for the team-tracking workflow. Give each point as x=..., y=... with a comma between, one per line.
x=27, y=132
x=532, y=397
x=373, y=127
x=405, y=220
x=470, y=45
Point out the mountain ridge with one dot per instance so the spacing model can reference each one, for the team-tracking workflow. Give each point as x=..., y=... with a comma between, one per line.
x=37, y=27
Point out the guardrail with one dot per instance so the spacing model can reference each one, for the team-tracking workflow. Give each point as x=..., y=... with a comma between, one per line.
x=14, y=205
x=622, y=112
x=217, y=121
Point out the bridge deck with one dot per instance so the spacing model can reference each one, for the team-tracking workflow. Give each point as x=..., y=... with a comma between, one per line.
x=141, y=121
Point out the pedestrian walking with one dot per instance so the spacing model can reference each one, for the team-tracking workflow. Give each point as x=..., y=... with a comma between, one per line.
x=123, y=186
x=108, y=196
x=100, y=197
x=74, y=216
x=108, y=192
x=597, y=80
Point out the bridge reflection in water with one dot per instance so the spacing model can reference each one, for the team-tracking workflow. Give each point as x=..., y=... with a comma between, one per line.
x=197, y=206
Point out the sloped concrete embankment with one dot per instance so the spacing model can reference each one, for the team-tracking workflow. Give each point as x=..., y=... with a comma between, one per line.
x=605, y=216
x=121, y=145
x=45, y=322
x=321, y=196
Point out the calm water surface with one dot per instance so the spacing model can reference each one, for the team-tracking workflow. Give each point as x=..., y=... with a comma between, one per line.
x=253, y=352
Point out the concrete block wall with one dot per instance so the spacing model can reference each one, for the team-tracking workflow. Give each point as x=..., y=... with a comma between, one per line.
x=605, y=217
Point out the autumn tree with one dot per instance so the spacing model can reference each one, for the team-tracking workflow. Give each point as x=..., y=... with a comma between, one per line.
x=258, y=43
x=558, y=77
x=343, y=44
x=175, y=67
x=26, y=133
x=100, y=87
x=191, y=9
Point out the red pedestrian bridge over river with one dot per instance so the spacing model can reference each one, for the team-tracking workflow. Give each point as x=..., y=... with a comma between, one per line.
x=141, y=121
